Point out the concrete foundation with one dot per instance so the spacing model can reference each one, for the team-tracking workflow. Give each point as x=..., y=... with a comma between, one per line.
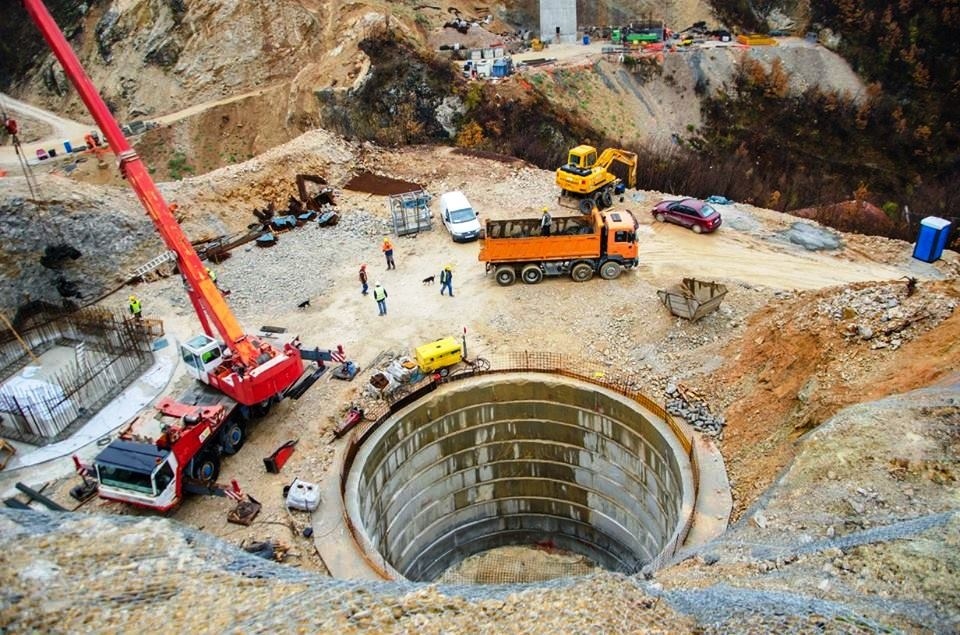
x=519, y=459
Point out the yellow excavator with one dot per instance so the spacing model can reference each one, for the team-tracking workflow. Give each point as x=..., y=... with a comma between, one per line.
x=586, y=181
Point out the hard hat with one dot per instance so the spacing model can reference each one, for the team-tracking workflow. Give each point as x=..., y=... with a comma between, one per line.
x=377, y=284
x=385, y=239
x=545, y=209
x=448, y=267
x=132, y=298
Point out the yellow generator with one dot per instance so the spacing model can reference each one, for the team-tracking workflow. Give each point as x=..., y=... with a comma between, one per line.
x=439, y=354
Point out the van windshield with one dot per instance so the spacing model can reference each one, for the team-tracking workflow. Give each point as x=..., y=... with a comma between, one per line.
x=462, y=215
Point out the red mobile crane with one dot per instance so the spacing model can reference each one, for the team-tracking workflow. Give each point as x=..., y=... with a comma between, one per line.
x=249, y=370
x=154, y=461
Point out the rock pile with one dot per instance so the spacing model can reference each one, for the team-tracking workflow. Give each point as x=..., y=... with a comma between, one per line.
x=886, y=315
x=686, y=403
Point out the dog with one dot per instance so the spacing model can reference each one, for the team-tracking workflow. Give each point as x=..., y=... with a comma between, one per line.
x=303, y=304
x=429, y=280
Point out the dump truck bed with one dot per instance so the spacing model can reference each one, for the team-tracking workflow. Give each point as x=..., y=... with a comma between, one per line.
x=518, y=240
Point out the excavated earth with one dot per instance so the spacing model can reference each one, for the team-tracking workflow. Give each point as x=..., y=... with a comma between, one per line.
x=836, y=378
x=836, y=382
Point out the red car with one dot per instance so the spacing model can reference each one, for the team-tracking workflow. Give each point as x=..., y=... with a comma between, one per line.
x=689, y=212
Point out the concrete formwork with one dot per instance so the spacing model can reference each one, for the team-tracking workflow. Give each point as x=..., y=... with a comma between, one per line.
x=558, y=21
x=519, y=458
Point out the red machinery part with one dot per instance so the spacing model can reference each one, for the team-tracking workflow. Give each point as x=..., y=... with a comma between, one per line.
x=245, y=381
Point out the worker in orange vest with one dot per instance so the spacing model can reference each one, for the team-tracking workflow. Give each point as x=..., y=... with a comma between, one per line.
x=388, y=253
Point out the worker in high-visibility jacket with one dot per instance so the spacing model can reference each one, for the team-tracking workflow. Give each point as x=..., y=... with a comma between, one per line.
x=380, y=295
x=135, y=306
x=213, y=277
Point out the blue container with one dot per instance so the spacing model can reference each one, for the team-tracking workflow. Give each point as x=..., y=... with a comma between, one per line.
x=586, y=39
x=67, y=146
x=932, y=239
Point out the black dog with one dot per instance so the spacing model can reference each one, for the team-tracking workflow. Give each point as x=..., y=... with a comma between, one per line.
x=303, y=304
x=429, y=280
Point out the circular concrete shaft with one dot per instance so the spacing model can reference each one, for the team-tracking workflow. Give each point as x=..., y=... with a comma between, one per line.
x=518, y=459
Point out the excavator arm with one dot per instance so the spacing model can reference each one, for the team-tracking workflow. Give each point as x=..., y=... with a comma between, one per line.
x=249, y=354
x=627, y=158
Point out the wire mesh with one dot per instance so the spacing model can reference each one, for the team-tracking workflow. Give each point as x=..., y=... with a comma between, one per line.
x=70, y=573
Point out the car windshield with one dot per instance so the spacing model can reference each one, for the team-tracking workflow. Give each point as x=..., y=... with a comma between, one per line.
x=462, y=215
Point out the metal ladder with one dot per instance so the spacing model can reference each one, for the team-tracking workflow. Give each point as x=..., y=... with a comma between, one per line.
x=153, y=264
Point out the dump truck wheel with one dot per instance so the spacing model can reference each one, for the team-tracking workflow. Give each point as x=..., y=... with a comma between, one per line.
x=505, y=276
x=531, y=274
x=610, y=270
x=586, y=205
x=661, y=218
x=233, y=438
x=606, y=198
x=581, y=272
x=206, y=467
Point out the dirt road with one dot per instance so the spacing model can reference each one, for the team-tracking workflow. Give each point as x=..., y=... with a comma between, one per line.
x=62, y=129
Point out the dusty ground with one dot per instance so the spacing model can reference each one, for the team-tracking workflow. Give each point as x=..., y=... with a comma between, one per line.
x=772, y=361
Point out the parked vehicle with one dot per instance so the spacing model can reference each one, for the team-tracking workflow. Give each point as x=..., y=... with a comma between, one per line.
x=602, y=242
x=153, y=461
x=459, y=217
x=693, y=213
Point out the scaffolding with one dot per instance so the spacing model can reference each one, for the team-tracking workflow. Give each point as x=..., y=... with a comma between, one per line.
x=411, y=212
x=108, y=353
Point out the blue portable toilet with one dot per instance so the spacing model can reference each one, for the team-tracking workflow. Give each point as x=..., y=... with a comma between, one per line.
x=501, y=67
x=932, y=239
x=67, y=146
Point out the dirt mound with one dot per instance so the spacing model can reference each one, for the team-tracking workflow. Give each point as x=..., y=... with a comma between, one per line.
x=802, y=360
x=850, y=216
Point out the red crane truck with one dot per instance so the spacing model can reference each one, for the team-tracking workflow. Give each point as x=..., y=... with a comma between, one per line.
x=150, y=467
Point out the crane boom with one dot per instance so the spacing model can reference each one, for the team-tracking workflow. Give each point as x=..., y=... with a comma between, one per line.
x=256, y=370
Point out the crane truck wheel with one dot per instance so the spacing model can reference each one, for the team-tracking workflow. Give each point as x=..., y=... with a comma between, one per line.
x=606, y=198
x=206, y=467
x=581, y=272
x=505, y=275
x=586, y=205
x=233, y=438
x=610, y=270
x=261, y=409
x=531, y=274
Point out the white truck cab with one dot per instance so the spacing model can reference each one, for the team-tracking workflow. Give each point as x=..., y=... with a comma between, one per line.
x=459, y=217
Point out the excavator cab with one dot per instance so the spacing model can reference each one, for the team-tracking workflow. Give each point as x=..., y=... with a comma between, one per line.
x=202, y=355
x=582, y=157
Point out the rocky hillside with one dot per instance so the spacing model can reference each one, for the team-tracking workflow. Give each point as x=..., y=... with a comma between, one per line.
x=268, y=76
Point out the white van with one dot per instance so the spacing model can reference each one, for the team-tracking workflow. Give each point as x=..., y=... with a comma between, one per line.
x=458, y=216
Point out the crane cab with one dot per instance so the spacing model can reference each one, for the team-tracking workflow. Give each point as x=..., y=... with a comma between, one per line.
x=202, y=354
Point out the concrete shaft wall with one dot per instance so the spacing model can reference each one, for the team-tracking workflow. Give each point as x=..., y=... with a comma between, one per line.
x=560, y=14
x=519, y=458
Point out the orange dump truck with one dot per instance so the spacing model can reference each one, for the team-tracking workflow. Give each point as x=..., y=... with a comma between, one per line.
x=578, y=246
